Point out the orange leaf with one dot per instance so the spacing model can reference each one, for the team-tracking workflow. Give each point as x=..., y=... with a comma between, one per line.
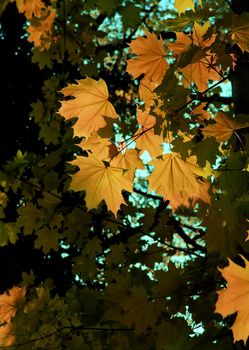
x=9, y=303
x=7, y=334
x=200, y=72
x=146, y=88
x=235, y=298
x=198, y=34
x=145, y=137
x=129, y=160
x=97, y=145
x=176, y=180
x=90, y=105
x=240, y=31
x=200, y=113
x=202, y=69
x=30, y=8
x=150, y=58
x=101, y=181
x=224, y=127
x=181, y=44
x=40, y=32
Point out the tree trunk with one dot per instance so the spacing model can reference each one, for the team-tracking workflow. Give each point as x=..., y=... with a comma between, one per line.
x=240, y=76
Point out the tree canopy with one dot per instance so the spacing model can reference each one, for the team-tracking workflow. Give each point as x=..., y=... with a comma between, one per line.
x=124, y=174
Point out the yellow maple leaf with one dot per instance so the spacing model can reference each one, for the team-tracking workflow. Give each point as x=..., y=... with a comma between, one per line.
x=235, y=298
x=224, y=127
x=30, y=8
x=181, y=44
x=9, y=303
x=200, y=72
x=97, y=145
x=101, y=181
x=176, y=180
x=203, y=68
x=183, y=5
x=41, y=30
x=198, y=35
x=240, y=31
x=145, y=91
x=200, y=113
x=150, y=58
x=7, y=334
x=129, y=160
x=90, y=105
x=146, y=139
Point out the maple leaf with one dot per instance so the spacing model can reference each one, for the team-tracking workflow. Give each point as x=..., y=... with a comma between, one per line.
x=235, y=298
x=200, y=72
x=224, y=127
x=199, y=33
x=47, y=239
x=97, y=145
x=240, y=31
x=90, y=105
x=181, y=44
x=146, y=88
x=30, y=8
x=150, y=58
x=139, y=310
x=145, y=137
x=129, y=160
x=176, y=180
x=183, y=5
x=203, y=67
x=9, y=303
x=199, y=113
x=7, y=334
x=101, y=181
x=40, y=31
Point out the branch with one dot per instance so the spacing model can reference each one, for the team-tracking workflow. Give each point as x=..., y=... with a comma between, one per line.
x=213, y=98
x=200, y=95
x=70, y=329
x=177, y=226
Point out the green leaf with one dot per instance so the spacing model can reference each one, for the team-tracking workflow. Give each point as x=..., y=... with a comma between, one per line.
x=139, y=310
x=7, y=233
x=3, y=5
x=206, y=150
x=107, y=6
x=116, y=255
x=47, y=240
x=130, y=16
x=173, y=335
x=29, y=218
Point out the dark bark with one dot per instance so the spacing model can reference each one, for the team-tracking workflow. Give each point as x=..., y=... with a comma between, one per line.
x=240, y=75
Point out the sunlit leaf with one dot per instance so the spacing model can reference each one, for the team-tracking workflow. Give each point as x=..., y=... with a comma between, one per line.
x=101, y=181
x=176, y=180
x=235, y=297
x=150, y=58
x=223, y=128
x=90, y=105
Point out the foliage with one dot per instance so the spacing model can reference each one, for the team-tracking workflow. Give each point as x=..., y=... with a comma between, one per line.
x=120, y=210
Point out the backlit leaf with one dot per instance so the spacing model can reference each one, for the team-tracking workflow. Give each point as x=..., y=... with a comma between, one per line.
x=90, y=105
x=9, y=303
x=183, y=5
x=235, y=298
x=150, y=58
x=224, y=127
x=140, y=310
x=145, y=137
x=176, y=180
x=101, y=181
x=240, y=31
